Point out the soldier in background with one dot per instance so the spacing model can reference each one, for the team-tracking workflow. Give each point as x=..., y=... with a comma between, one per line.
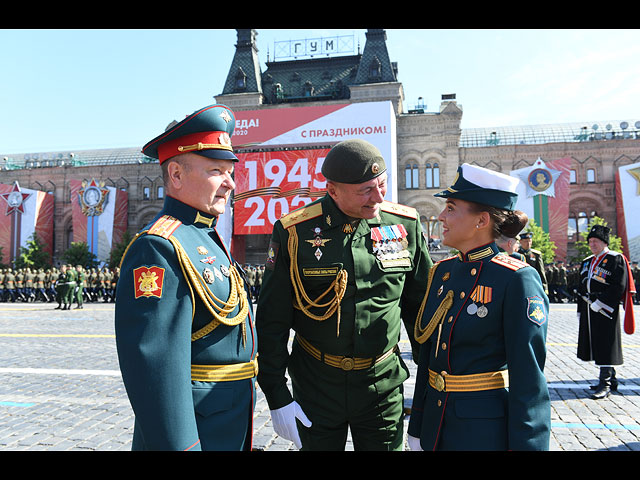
x=534, y=258
x=80, y=282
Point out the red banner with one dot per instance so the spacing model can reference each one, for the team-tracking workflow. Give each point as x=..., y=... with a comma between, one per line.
x=272, y=184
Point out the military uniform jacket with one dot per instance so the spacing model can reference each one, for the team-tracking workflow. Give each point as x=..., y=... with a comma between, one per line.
x=534, y=258
x=492, y=317
x=174, y=341
x=603, y=279
x=379, y=289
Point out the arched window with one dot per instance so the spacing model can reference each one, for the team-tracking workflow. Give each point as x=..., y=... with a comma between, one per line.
x=591, y=175
x=583, y=222
x=432, y=176
x=411, y=176
x=572, y=225
x=572, y=176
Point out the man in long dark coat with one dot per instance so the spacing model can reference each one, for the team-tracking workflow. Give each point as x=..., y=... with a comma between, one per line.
x=605, y=281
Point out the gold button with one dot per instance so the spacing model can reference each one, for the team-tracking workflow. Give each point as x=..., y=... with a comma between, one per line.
x=473, y=271
x=461, y=294
x=450, y=319
x=439, y=403
x=444, y=346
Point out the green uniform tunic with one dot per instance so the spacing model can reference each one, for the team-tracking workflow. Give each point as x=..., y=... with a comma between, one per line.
x=485, y=312
x=189, y=369
x=379, y=292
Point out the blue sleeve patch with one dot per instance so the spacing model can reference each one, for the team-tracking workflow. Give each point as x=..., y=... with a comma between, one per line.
x=535, y=310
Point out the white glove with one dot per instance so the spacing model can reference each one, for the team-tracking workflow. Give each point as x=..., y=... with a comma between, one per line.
x=284, y=422
x=414, y=444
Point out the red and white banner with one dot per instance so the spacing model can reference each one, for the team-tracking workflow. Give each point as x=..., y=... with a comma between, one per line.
x=99, y=216
x=23, y=213
x=627, y=208
x=269, y=184
x=274, y=183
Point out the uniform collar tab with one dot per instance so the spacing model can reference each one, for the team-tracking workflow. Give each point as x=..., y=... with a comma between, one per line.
x=479, y=253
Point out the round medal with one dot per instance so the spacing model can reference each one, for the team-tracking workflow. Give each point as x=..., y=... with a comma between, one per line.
x=472, y=309
x=482, y=311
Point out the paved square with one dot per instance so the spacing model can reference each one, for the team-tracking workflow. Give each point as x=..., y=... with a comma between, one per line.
x=60, y=385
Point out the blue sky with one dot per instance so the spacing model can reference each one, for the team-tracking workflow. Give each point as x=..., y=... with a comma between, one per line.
x=106, y=88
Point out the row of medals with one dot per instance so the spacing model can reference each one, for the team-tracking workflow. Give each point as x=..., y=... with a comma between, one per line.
x=474, y=309
x=208, y=274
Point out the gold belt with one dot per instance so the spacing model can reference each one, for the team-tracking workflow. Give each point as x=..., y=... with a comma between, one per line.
x=224, y=373
x=343, y=362
x=443, y=382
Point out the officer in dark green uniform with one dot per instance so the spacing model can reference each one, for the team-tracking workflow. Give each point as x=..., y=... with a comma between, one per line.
x=80, y=283
x=70, y=287
x=480, y=383
x=183, y=319
x=534, y=258
x=343, y=272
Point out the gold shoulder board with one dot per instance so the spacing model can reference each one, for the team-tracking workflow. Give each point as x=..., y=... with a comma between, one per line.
x=399, y=209
x=164, y=226
x=509, y=262
x=301, y=214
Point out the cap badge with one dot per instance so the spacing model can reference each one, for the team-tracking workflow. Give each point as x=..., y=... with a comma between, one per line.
x=375, y=168
x=225, y=116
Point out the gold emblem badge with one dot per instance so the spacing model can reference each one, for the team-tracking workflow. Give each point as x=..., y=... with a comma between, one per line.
x=148, y=281
x=375, y=168
x=202, y=250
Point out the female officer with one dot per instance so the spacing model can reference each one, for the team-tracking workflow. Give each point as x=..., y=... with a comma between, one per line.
x=483, y=326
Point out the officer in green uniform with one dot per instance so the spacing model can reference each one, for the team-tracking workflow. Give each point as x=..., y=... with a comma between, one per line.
x=183, y=319
x=534, y=257
x=80, y=282
x=70, y=287
x=343, y=272
x=480, y=383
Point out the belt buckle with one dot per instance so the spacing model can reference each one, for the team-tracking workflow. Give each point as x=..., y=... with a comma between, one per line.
x=439, y=381
x=347, y=363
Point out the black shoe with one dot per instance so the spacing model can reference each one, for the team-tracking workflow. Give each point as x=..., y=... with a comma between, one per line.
x=602, y=392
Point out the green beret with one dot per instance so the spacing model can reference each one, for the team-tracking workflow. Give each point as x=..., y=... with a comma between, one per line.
x=353, y=161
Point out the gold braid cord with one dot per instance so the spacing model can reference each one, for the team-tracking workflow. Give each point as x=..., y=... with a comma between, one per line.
x=421, y=335
x=339, y=286
x=219, y=309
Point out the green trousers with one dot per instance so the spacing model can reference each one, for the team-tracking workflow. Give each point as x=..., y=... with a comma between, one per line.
x=368, y=403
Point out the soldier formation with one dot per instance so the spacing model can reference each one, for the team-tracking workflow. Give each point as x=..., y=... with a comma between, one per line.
x=65, y=285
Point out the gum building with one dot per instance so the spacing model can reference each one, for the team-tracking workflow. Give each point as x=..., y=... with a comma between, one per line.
x=430, y=143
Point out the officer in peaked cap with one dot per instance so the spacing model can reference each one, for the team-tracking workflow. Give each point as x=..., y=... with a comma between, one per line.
x=184, y=328
x=482, y=328
x=533, y=257
x=605, y=282
x=344, y=272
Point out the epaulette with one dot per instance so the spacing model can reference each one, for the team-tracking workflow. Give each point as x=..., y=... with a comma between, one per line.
x=399, y=209
x=164, y=226
x=312, y=210
x=509, y=262
x=536, y=251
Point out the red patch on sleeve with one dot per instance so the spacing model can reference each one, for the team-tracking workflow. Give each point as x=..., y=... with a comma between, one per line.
x=148, y=281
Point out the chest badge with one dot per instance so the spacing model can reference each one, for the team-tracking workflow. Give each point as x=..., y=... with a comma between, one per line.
x=208, y=260
x=208, y=275
x=202, y=250
x=317, y=241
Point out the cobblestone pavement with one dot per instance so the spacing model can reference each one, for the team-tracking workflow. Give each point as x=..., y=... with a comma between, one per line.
x=60, y=386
